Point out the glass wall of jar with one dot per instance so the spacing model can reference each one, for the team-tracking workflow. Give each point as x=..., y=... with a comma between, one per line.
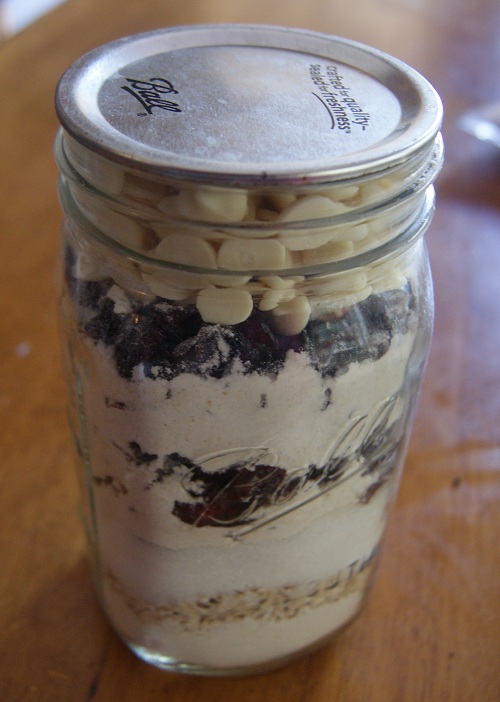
x=244, y=366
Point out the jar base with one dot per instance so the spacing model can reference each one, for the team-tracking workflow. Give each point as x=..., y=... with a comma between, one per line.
x=172, y=665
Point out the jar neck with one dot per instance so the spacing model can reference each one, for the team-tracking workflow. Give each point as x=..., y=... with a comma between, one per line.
x=281, y=229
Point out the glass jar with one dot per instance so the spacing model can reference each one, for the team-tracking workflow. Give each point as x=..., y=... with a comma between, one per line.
x=244, y=347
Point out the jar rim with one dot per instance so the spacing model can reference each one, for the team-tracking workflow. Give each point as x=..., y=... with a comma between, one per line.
x=424, y=176
x=378, y=254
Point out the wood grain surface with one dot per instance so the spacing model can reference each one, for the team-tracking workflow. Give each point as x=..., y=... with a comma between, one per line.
x=431, y=629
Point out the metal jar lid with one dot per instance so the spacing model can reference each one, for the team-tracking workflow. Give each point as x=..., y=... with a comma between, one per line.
x=248, y=105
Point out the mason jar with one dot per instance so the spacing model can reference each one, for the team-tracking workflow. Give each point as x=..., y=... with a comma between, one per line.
x=246, y=307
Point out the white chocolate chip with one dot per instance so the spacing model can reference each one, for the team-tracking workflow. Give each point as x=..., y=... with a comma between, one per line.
x=357, y=232
x=314, y=239
x=246, y=233
x=375, y=189
x=279, y=283
x=304, y=240
x=165, y=287
x=186, y=249
x=228, y=281
x=291, y=317
x=312, y=207
x=332, y=251
x=248, y=255
x=224, y=305
x=173, y=284
x=213, y=205
x=256, y=288
x=272, y=298
x=343, y=193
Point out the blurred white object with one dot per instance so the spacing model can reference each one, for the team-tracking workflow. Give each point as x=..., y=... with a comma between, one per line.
x=18, y=14
x=483, y=122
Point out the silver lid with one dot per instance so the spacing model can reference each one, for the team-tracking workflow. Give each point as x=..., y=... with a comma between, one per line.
x=243, y=104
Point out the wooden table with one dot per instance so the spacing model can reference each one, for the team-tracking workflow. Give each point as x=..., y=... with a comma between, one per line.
x=431, y=629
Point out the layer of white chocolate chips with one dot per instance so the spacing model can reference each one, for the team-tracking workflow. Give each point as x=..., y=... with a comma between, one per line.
x=235, y=232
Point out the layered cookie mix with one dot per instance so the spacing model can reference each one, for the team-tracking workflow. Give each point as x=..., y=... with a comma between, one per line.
x=240, y=476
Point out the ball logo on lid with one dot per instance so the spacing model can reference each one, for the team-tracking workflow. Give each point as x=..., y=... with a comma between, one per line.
x=150, y=94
